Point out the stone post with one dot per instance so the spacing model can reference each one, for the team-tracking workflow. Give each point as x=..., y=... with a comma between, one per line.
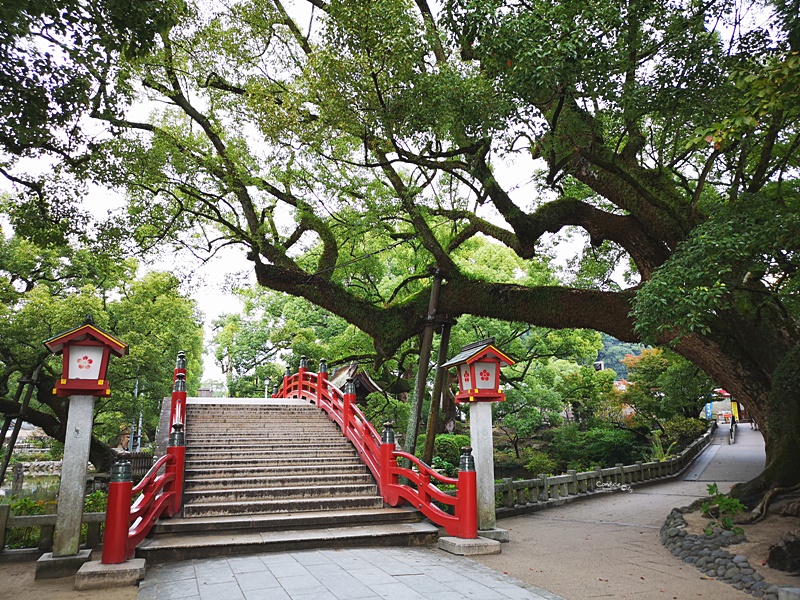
x=72, y=491
x=480, y=433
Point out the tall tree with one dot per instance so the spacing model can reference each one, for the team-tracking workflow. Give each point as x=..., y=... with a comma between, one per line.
x=326, y=140
x=46, y=291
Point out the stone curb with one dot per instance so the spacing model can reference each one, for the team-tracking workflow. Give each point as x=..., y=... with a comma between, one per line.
x=706, y=553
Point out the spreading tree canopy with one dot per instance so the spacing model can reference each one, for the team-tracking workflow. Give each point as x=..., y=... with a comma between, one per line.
x=329, y=138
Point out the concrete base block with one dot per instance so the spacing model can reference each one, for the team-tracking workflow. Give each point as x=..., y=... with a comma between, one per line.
x=789, y=593
x=501, y=535
x=53, y=567
x=97, y=576
x=463, y=547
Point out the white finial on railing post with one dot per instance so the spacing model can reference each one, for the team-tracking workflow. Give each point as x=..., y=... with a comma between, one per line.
x=349, y=401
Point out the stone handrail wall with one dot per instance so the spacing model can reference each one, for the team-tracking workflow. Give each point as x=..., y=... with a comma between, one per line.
x=530, y=495
x=47, y=525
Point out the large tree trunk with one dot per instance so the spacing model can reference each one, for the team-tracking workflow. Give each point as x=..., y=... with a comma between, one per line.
x=772, y=398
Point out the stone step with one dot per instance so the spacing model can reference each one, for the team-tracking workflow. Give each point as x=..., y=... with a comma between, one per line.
x=269, y=447
x=274, y=493
x=274, y=461
x=273, y=471
x=214, y=483
x=270, y=444
x=311, y=415
x=282, y=521
x=166, y=548
x=254, y=507
x=258, y=455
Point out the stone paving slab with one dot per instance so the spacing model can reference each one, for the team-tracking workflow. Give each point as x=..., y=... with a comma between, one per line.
x=346, y=574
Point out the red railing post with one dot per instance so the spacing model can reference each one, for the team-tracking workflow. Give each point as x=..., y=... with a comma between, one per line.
x=286, y=377
x=349, y=399
x=118, y=513
x=176, y=448
x=178, y=400
x=302, y=376
x=322, y=380
x=467, y=512
x=387, y=459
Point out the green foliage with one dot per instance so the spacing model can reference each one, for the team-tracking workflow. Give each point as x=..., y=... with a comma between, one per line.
x=665, y=386
x=538, y=462
x=746, y=241
x=382, y=409
x=151, y=314
x=27, y=537
x=582, y=450
x=444, y=467
x=446, y=446
x=657, y=452
x=683, y=431
x=723, y=509
x=613, y=352
x=97, y=501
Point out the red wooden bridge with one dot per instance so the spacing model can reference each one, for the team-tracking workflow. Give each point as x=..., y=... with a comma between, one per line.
x=401, y=478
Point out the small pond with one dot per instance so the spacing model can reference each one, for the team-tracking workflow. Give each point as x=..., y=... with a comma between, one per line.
x=35, y=487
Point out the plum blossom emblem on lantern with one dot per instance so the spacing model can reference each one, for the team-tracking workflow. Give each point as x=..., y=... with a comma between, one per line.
x=85, y=362
x=485, y=375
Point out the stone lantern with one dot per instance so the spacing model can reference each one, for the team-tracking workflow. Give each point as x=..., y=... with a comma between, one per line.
x=86, y=351
x=478, y=367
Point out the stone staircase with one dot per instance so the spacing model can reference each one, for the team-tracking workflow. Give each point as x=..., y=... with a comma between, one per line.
x=273, y=475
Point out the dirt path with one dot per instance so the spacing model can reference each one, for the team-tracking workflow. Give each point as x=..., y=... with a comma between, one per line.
x=17, y=583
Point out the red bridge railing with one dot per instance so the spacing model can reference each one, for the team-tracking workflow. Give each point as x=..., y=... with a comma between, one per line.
x=160, y=492
x=417, y=485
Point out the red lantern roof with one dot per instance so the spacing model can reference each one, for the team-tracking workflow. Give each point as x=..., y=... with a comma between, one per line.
x=86, y=333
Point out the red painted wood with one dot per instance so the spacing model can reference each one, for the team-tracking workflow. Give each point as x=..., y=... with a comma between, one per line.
x=115, y=537
x=381, y=459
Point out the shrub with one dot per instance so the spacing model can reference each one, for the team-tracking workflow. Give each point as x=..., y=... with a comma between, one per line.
x=539, y=462
x=684, y=431
x=580, y=450
x=446, y=447
x=27, y=537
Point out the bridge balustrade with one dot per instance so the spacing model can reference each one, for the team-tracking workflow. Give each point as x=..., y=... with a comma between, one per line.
x=159, y=493
x=419, y=484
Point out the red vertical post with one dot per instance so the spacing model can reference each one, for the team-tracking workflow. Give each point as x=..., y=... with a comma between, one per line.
x=180, y=369
x=177, y=449
x=322, y=381
x=286, y=377
x=179, y=400
x=118, y=514
x=467, y=496
x=387, y=458
x=349, y=400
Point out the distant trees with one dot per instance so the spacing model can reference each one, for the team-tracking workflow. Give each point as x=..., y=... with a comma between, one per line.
x=44, y=291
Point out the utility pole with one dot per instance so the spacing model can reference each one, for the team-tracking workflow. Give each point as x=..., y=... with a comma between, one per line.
x=424, y=359
x=438, y=386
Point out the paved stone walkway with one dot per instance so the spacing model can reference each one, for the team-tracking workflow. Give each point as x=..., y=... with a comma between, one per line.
x=346, y=574
x=604, y=547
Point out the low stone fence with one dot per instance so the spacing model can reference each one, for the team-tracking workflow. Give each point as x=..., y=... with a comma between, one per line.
x=530, y=495
x=46, y=525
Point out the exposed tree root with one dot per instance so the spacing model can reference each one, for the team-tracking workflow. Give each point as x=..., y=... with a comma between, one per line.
x=760, y=511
